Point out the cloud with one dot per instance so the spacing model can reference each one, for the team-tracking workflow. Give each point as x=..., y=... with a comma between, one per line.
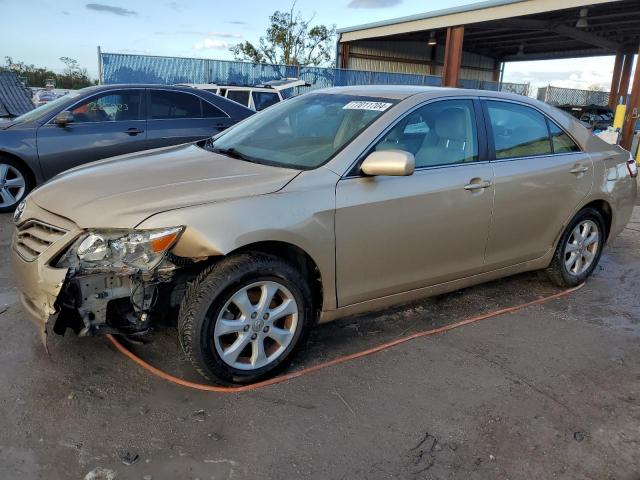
x=100, y=7
x=373, y=3
x=237, y=22
x=224, y=35
x=201, y=34
x=211, y=44
x=64, y=12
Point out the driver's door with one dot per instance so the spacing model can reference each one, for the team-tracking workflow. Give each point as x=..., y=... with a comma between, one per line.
x=395, y=234
x=105, y=125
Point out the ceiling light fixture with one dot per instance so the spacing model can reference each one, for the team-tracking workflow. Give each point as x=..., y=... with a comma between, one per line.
x=432, y=39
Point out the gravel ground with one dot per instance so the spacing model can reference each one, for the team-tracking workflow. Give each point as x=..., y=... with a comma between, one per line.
x=551, y=391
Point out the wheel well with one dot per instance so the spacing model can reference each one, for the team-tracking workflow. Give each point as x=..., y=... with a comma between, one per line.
x=32, y=177
x=297, y=257
x=605, y=210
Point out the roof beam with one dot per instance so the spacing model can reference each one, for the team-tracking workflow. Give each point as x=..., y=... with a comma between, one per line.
x=553, y=56
x=566, y=31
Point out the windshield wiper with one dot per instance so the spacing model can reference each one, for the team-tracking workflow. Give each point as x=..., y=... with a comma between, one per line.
x=231, y=152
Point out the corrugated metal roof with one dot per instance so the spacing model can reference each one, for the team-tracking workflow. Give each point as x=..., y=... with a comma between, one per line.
x=15, y=98
x=435, y=13
x=467, y=14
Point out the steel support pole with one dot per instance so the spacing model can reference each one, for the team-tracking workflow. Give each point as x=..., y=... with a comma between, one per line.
x=615, y=80
x=99, y=66
x=452, y=57
x=633, y=108
x=623, y=89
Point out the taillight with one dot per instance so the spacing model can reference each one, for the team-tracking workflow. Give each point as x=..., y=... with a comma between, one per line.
x=632, y=166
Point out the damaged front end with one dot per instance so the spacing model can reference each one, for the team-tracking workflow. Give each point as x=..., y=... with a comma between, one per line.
x=117, y=281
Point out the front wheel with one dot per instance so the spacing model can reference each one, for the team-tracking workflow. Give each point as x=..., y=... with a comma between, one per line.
x=578, y=250
x=244, y=318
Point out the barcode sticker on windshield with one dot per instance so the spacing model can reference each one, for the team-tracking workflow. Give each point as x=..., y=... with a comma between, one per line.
x=360, y=105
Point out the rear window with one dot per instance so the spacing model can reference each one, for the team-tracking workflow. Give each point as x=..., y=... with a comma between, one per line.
x=562, y=143
x=211, y=111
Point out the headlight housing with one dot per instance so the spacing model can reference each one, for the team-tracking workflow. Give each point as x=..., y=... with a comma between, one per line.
x=123, y=251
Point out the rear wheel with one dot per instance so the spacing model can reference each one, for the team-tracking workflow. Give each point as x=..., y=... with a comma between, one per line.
x=14, y=184
x=244, y=318
x=579, y=249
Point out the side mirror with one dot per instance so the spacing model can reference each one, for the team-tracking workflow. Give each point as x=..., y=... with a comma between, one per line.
x=396, y=163
x=63, y=118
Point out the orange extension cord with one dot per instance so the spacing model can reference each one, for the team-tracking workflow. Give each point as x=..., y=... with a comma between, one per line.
x=347, y=358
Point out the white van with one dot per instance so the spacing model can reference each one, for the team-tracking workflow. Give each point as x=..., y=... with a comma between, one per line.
x=256, y=98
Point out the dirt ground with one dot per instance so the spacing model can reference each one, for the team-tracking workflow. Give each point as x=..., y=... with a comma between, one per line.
x=550, y=391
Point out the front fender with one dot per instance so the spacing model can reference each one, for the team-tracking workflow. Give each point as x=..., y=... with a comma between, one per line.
x=302, y=214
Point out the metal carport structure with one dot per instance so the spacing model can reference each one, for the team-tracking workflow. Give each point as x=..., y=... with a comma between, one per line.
x=480, y=38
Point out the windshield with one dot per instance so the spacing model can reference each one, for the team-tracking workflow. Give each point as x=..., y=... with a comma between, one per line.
x=301, y=133
x=45, y=109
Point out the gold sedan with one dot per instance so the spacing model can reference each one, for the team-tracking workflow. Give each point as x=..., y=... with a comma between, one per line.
x=334, y=203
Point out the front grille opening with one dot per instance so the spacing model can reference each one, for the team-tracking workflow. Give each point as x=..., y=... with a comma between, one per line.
x=34, y=237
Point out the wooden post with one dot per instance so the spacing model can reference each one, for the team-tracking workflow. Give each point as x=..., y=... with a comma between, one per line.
x=431, y=68
x=633, y=108
x=344, y=55
x=623, y=89
x=615, y=80
x=497, y=68
x=452, y=57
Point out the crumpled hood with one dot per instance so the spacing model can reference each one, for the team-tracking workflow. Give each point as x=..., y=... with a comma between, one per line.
x=121, y=192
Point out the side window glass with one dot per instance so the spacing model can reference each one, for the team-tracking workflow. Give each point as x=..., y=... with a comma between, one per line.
x=110, y=107
x=440, y=133
x=263, y=100
x=240, y=96
x=562, y=143
x=174, y=105
x=211, y=111
x=518, y=131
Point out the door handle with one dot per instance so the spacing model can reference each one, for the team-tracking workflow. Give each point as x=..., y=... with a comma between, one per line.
x=478, y=186
x=133, y=131
x=577, y=170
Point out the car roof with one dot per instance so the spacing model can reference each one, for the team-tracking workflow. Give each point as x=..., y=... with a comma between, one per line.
x=98, y=88
x=400, y=92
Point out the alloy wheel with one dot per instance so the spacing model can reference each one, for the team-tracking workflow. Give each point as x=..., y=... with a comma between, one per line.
x=581, y=248
x=256, y=325
x=12, y=185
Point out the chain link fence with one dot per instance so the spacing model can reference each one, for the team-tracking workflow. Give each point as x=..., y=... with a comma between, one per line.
x=571, y=96
x=127, y=68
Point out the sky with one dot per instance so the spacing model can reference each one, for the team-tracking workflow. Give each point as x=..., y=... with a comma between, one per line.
x=41, y=31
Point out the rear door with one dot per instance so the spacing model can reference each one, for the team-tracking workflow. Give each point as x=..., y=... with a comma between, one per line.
x=540, y=176
x=105, y=125
x=395, y=234
x=176, y=117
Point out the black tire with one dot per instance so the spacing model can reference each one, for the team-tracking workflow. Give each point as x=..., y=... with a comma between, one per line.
x=20, y=167
x=557, y=271
x=208, y=294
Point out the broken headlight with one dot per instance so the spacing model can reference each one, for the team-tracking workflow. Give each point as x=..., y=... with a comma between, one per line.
x=122, y=251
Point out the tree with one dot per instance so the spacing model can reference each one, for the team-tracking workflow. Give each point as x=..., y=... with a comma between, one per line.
x=290, y=40
x=73, y=76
